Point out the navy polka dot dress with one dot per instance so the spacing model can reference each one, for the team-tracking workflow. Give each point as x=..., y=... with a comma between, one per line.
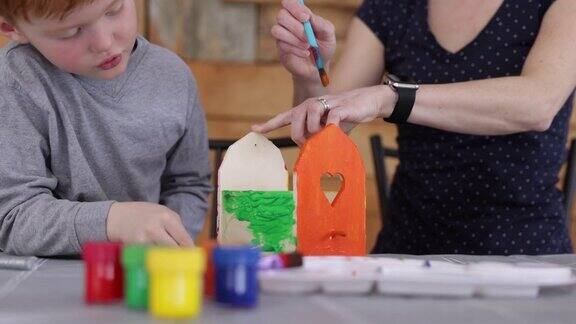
x=458, y=193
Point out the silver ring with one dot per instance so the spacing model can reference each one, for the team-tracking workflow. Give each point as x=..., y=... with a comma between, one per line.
x=324, y=103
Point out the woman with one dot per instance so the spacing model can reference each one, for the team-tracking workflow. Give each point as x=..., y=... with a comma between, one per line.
x=481, y=140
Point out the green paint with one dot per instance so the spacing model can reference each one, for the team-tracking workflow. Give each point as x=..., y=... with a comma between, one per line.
x=270, y=215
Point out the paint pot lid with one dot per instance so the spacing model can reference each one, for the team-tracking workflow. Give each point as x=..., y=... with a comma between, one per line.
x=101, y=251
x=233, y=255
x=134, y=255
x=176, y=259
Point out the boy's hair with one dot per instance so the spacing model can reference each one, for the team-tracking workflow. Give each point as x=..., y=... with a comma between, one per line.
x=12, y=10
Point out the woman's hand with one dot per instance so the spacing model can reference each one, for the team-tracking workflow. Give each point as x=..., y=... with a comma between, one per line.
x=293, y=46
x=345, y=110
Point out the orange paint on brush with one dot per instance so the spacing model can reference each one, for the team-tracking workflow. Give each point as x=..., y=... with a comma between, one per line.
x=324, y=78
x=323, y=75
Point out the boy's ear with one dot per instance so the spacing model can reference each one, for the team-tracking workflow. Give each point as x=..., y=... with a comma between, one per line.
x=9, y=30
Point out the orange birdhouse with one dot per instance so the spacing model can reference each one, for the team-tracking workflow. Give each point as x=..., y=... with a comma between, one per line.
x=325, y=227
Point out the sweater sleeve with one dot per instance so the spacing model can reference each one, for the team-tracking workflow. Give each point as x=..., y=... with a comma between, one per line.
x=186, y=180
x=33, y=221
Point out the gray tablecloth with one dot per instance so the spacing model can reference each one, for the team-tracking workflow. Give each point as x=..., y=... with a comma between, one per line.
x=53, y=293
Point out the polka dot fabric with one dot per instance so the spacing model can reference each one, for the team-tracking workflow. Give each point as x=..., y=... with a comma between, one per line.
x=457, y=193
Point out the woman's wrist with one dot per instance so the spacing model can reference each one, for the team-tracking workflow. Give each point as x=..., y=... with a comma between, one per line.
x=387, y=100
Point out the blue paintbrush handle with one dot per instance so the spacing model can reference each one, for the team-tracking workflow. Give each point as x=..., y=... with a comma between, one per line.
x=312, y=40
x=310, y=34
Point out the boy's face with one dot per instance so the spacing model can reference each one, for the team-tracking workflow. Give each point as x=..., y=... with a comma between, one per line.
x=94, y=41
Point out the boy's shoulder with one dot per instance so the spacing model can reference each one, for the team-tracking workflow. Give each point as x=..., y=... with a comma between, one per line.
x=24, y=67
x=166, y=65
x=21, y=65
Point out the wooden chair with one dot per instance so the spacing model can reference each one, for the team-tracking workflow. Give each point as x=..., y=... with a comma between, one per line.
x=219, y=147
x=380, y=153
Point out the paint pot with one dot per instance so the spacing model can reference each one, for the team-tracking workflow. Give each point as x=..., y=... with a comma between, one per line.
x=210, y=274
x=135, y=276
x=280, y=261
x=175, y=282
x=103, y=272
x=236, y=275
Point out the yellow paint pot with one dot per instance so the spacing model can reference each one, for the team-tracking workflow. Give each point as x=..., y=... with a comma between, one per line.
x=175, y=282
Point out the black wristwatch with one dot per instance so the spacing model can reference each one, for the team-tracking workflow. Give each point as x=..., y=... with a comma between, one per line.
x=406, y=97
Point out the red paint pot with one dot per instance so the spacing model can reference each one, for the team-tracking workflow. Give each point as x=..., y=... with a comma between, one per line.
x=103, y=272
x=210, y=274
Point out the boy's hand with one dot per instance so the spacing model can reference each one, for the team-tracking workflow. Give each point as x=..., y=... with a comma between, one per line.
x=146, y=223
x=292, y=44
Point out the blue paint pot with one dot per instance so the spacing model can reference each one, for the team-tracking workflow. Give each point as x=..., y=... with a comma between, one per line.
x=236, y=275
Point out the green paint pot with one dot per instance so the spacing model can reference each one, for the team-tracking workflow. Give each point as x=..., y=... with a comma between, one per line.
x=135, y=276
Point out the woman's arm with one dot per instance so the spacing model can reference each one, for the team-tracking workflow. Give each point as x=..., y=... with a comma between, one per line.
x=361, y=64
x=362, y=57
x=496, y=106
x=507, y=105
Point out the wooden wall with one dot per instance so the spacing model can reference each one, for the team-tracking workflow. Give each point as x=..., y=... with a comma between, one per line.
x=228, y=47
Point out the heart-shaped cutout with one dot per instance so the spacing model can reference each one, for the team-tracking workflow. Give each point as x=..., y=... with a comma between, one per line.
x=331, y=186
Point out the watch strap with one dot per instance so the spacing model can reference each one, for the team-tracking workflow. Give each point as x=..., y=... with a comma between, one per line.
x=403, y=107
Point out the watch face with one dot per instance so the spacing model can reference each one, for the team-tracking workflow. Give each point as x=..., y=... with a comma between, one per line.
x=392, y=77
x=400, y=82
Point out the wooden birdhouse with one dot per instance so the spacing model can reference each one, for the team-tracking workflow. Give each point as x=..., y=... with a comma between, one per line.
x=326, y=227
x=254, y=204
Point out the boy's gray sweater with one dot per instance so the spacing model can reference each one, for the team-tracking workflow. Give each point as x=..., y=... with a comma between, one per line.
x=71, y=146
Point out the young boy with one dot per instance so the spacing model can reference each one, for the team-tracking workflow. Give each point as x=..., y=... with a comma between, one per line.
x=102, y=136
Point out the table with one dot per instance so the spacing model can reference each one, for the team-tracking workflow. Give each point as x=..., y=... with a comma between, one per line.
x=53, y=293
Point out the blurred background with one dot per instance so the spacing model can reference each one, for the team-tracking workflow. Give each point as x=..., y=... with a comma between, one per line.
x=227, y=44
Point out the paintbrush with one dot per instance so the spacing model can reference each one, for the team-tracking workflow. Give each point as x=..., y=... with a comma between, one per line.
x=10, y=262
x=315, y=51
